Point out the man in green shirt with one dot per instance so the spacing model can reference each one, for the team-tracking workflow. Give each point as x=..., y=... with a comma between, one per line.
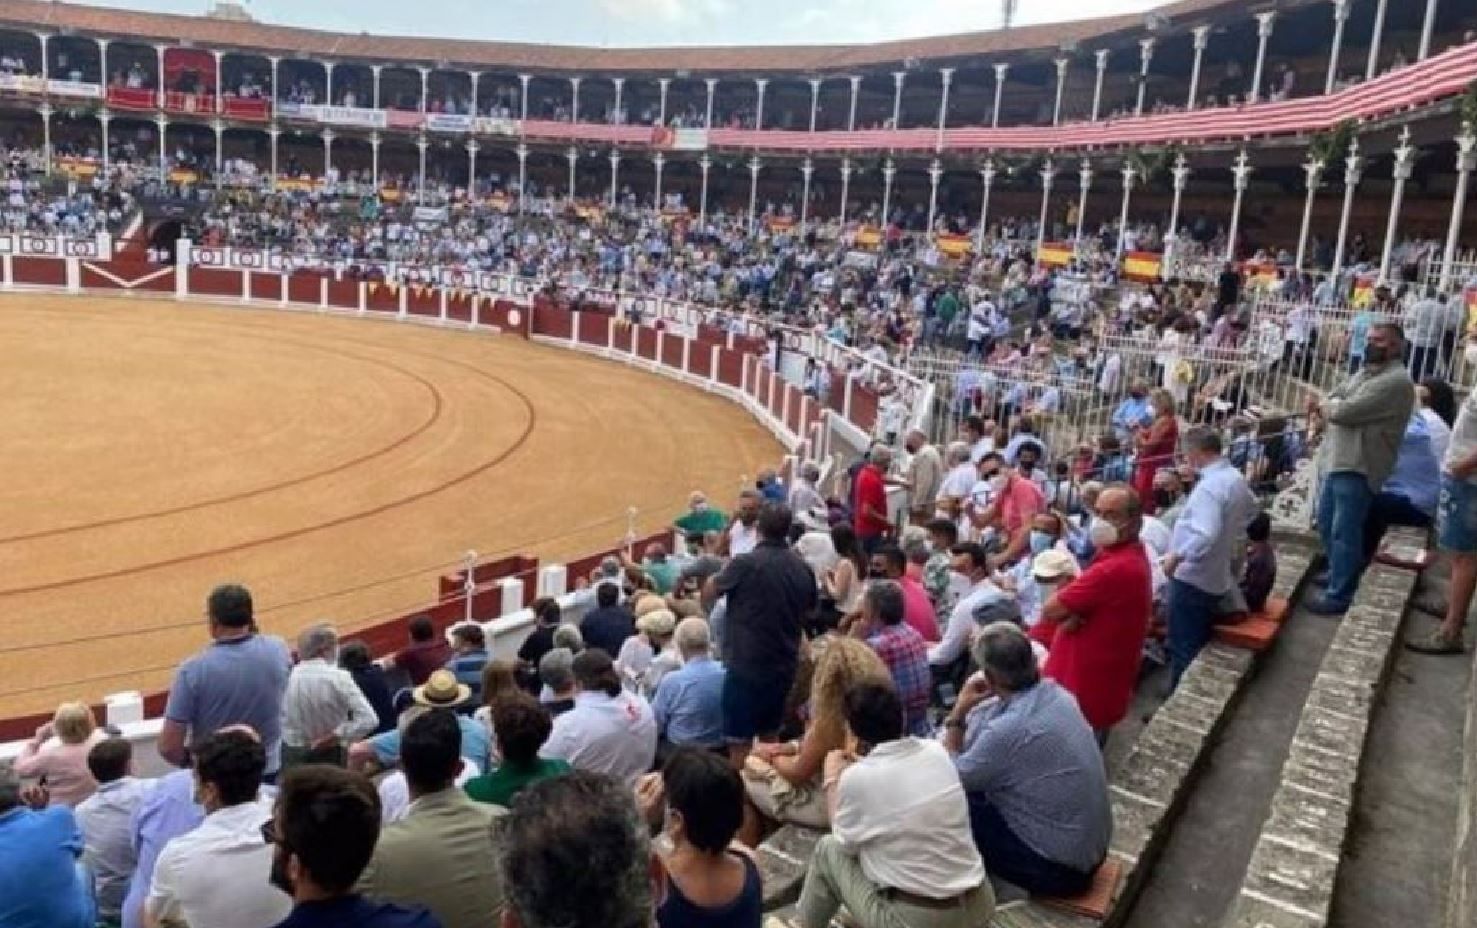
x=946, y=309
x=521, y=726
x=700, y=518
x=658, y=566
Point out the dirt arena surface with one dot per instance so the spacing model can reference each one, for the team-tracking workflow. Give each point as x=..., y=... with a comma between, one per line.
x=336, y=466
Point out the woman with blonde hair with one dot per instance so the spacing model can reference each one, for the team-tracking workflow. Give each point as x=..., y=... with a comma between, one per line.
x=1155, y=446
x=783, y=780
x=57, y=754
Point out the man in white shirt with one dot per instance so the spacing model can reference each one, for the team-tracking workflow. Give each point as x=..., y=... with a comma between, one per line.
x=609, y=730
x=743, y=534
x=894, y=856
x=323, y=709
x=104, y=817
x=218, y=874
x=970, y=560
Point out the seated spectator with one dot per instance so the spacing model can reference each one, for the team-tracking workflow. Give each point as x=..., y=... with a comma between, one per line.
x=556, y=671
x=894, y=856
x=609, y=730
x=323, y=709
x=711, y=880
x=521, y=727
x=889, y=563
x=1410, y=494
x=469, y=647
x=1260, y=574
x=688, y=704
x=370, y=677
x=570, y=638
x=647, y=656
x=443, y=853
x=556, y=829
x=969, y=561
x=901, y=648
x=498, y=682
x=540, y=641
x=783, y=780
x=609, y=624
x=440, y=691
x=218, y=874
x=104, y=820
x=57, y=754
x=167, y=811
x=394, y=788
x=41, y=885
x=427, y=651
x=323, y=831
x=1031, y=769
x=657, y=567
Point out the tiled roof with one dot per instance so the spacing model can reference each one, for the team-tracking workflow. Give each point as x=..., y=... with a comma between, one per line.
x=776, y=59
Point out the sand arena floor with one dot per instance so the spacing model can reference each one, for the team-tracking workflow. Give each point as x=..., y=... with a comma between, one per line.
x=336, y=466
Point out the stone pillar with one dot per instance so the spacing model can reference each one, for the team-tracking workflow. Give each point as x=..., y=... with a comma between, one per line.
x=1128, y=175
x=104, y=118
x=1240, y=175
x=1264, y=22
x=807, y=170
x=1353, y=168
x=1084, y=184
x=615, y=170
x=706, y=164
x=523, y=80
x=1372, y=65
x=327, y=151
x=1466, y=160
x=375, y=70
x=897, y=97
x=712, y=83
x=935, y=174
x=420, y=179
x=1001, y=70
x=1202, y=39
x=328, y=83
x=987, y=177
x=889, y=171
x=1146, y=55
x=1404, y=163
x=1061, y=86
x=219, y=95
x=476, y=77
x=1097, y=88
x=160, y=89
x=947, y=76
x=760, y=85
x=522, y=152
x=275, y=133
x=1180, y=176
x=220, y=149
x=425, y=88
x=620, y=86
x=44, y=39
x=574, y=99
x=45, y=110
x=845, y=186
x=856, y=89
x=754, y=165
x=815, y=100
x=663, y=84
x=472, y=149
x=374, y=160
x=572, y=154
x=163, y=122
x=658, y=162
x=1313, y=174
x=1048, y=172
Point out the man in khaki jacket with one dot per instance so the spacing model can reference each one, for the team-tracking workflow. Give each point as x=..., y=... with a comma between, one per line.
x=443, y=854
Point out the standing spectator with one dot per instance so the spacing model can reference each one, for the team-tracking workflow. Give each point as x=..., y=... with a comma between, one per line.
x=901, y=648
x=323, y=831
x=217, y=875
x=688, y=704
x=540, y=641
x=925, y=474
x=609, y=730
x=323, y=710
x=469, y=657
x=610, y=623
x=1154, y=447
x=104, y=820
x=1031, y=769
x=370, y=677
x=1457, y=532
x=443, y=853
x=742, y=535
x=1228, y=290
x=894, y=856
x=238, y=680
x=870, y=520
x=1094, y=626
x=1206, y=541
x=521, y=726
x=1426, y=326
x=700, y=517
x=805, y=495
x=40, y=883
x=427, y=651
x=769, y=593
x=1365, y=417
x=57, y=754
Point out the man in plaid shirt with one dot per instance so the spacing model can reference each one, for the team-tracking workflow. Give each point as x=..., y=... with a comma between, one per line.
x=901, y=648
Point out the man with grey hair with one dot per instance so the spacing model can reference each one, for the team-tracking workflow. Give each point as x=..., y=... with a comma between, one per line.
x=1031, y=769
x=925, y=474
x=40, y=883
x=958, y=482
x=323, y=709
x=557, y=829
x=688, y=703
x=556, y=672
x=805, y=494
x=901, y=648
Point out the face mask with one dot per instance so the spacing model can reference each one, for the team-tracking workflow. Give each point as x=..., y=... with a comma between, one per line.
x=1041, y=541
x=1375, y=354
x=998, y=482
x=278, y=876
x=1163, y=499
x=699, y=507
x=1103, y=533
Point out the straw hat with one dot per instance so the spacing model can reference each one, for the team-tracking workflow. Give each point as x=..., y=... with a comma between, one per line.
x=441, y=691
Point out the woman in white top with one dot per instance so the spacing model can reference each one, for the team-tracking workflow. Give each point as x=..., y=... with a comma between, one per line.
x=1437, y=405
x=846, y=581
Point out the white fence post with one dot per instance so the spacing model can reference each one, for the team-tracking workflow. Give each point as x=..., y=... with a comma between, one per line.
x=181, y=268
x=574, y=326
x=512, y=595
x=553, y=580
x=323, y=293
x=363, y=297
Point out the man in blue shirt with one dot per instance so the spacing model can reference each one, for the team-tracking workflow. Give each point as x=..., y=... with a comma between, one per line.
x=40, y=883
x=1132, y=413
x=1410, y=495
x=688, y=703
x=609, y=624
x=470, y=644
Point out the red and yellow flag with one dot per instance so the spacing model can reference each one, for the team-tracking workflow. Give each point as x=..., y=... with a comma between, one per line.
x=1143, y=266
x=1054, y=254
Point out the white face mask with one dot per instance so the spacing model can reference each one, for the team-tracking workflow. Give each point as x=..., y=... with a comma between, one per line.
x=1103, y=533
x=998, y=482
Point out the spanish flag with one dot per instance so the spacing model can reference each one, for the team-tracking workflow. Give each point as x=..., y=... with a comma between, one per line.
x=1054, y=254
x=781, y=223
x=868, y=237
x=953, y=244
x=1142, y=266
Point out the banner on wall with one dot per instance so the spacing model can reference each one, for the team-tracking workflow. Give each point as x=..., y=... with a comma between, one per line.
x=21, y=83
x=496, y=125
x=1054, y=254
x=448, y=122
x=953, y=244
x=1143, y=266
x=679, y=139
x=80, y=89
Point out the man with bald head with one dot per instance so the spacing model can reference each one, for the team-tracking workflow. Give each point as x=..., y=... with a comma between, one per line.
x=1095, y=625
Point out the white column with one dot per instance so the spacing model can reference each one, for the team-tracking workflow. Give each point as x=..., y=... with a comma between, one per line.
x=1097, y=88
x=845, y=187
x=160, y=90
x=1264, y=22
x=328, y=82
x=102, y=58
x=807, y=170
x=472, y=149
x=476, y=77
x=1372, y=65
x=615, y=170
x=760, y=84
x=219, y=106
x=374, y=160
x=374, y=71
x=662, y=85
x=1353, y=168
x=276, y=133
x=1180, y=175
x=104, y=118
x=523, y=80
x=815, y=100
x=889, y=171
x=1466, y=160
x=573, y=155
x=987, y=177
x=163, y=122
x=935, y=174
x=620, y=86
x=947, y=75
x=327, y=151
x=712, y=83
x=1404, y=158
x=1061, y=86
x=1084, y=184
x=1001, y=70
x=45, y=111
x=897, y=97
x=420, y=179
x=1340, y=17
x=754, y=165
x=856, y=89
x=1240, y=174
x=658, y=162
x=220, y=149
x=1202, y=39
x=43, y=39
x=1048, y=171
x=1313, y=177
x=276, y=92
x=574, y=99
x=1428, y=26
x=706, y=164
x=425, y=87
x=1146, y=55
x=522, y=152
x=1128, y=176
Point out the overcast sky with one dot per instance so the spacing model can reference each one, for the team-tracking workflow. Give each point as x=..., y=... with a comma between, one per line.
x=656, y=22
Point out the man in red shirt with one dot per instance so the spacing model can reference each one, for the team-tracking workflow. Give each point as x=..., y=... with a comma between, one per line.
x=427, y=651
x=1095, y=625
x=870, y=519
x=888, y=562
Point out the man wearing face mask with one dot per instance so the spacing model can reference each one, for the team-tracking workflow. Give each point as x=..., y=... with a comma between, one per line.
x=1365, y=419
x=1203, y=546
x=1133, y=413
x=971, y=562
x=1095, y=625
x=1014, y=502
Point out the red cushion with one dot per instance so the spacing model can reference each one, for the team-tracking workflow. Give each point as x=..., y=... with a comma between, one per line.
x=1098, y=899
x=1255, y=634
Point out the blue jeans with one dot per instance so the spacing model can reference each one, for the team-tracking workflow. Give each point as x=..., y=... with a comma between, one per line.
x=1192, y=614
x=1343, y=505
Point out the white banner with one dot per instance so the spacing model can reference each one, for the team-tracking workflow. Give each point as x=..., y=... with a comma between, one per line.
x=448, y=122
x=55, y=246
x=496, y=125
x=22, y=83
x=689, y=139
x=430, y=214
x=359, y=116
x=62, y=88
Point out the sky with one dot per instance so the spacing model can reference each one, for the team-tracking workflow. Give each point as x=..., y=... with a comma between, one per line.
x=656, y=22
